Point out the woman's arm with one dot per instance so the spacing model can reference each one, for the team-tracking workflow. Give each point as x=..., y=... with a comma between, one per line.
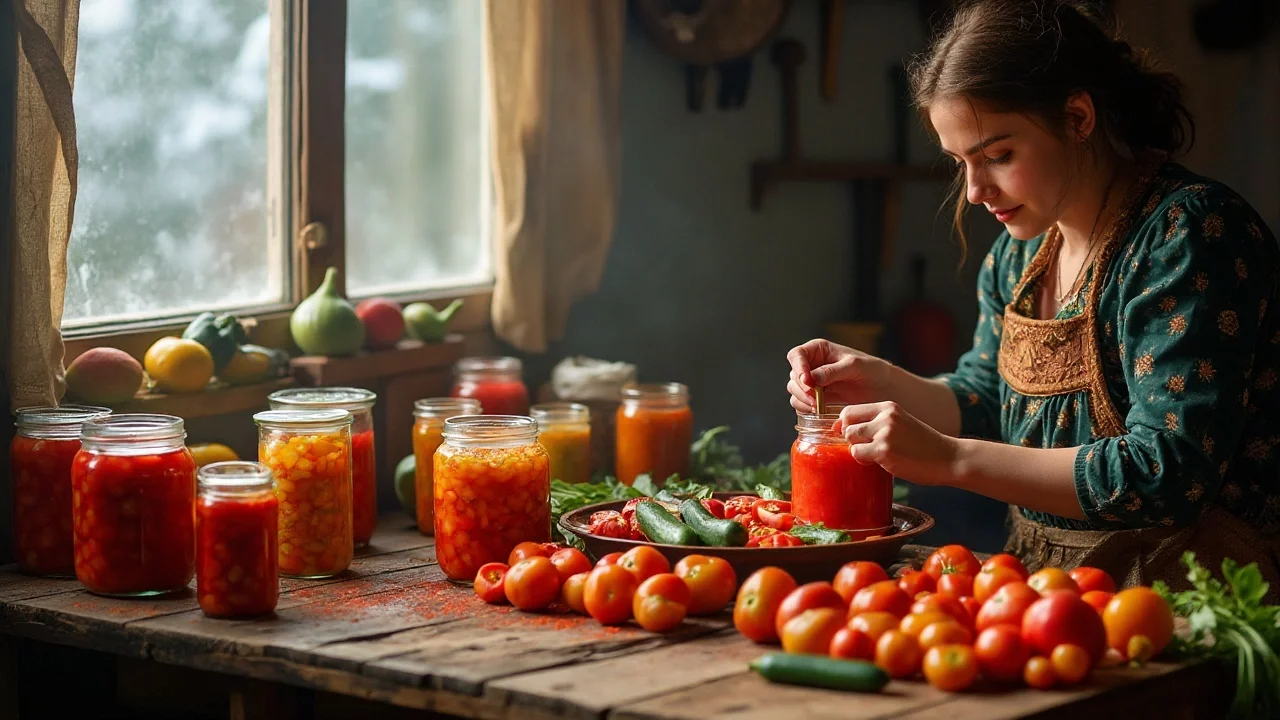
x=1036, y=479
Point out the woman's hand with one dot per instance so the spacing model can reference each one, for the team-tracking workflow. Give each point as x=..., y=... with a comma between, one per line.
x=847, y=376
x=886, y=435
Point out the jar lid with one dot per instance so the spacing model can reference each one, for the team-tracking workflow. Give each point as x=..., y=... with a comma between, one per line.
x=445, y=407
x=132, y=427
x=318, y=419
x=234, y=475
x=60, y=416
x=564, y=413
x=488, y=365
x=489, y=427
x=345, y=398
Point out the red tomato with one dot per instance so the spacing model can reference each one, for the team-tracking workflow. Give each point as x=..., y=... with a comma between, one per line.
x=806, y=597
x=1071, y=663
x=1038, y=673
x=1063, y=618
x=914, y=582
x=945, y=604
x=526, y=550
x=711, y=580
x=1089, y=579
x=898, y=654
x=1139, y=623
x=1047, y=579
x=739, y=505
x=778, y=539
x=660, y=602
x=950, y=668
x=883, y=596
x=952, y=559
x=607, y=594
x=856, y=575
x=644, y=562
x=714, y=506
x=1001, y=652
x=1008, y=561
x=551, y=548
x=570, y=562
x=812, y=631
x=944, y=633
x=610, y=559
x=991, y=579
x=573, y=590
x=850, y=644
x=973, y=605
x=874, y=624
x=532, y=583
x=1006, y=607
x=488, y=583
x=775, y=514
x=1098, y=599
x=609, y=523
x=957, y=585
x=758, y=601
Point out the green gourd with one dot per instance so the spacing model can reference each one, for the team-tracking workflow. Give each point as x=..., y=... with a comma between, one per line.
x=325, y=323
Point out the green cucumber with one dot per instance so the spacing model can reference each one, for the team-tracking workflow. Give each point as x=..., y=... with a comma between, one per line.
x=818, y=535
x=661, y=527
x=822, y=672
x=712, y=530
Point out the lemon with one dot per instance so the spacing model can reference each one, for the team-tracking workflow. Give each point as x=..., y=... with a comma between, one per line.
x=208, y=453
x=178, y=366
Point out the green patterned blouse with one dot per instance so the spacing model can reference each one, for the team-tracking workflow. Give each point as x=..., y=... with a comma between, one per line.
x=1188, y=330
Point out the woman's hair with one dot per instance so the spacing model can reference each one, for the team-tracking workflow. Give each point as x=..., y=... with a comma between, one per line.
x=1030, y=56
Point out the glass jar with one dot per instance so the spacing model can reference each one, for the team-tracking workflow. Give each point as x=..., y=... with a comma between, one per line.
x=133, y=497
x=495, y=381
x=40, y=456
x=829, y=486
x=364, y=467
x=492, y=491
x=654, y=432
x=429, y=415
x=564, y=430
x=309, y=454
x=237, y=564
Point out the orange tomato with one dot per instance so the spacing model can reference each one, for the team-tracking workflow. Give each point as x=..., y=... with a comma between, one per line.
x=532, y=583
x=1138, y=622
x=952, y=559
x=1038, y=673
x=1008, y=561
x=570, y=562
x=807, y=597
x=756, y=607
x=856, y=575
x=874, y=624
x=660, y=602
x=1063, y=618
x=1001, y=652
x=884, y=596
x=812, y=631
x=1089, y=579
x=1071, y=663
x=945, y=604
x=1098, y=599
x=944, y=633
x=526, y=550
x=1047, y=579
x=992, y=579
x=644, y=562
x=850, y=644
x=898, y=654
x=914, y=623
x=489, y=583
x=610, y=559
x=914, y=582
x=1006, y=607
x=607, y=594
x=957, y=585
x=710, y=579
x=573, y=592
x=950, y=668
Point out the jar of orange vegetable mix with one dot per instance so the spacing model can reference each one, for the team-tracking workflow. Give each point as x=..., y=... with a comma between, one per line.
x=492, y=491
x=309, y=454
x=564, y=429
x=654, y=431
x=429, y=415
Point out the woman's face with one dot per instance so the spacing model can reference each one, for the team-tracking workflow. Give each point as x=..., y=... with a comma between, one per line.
x=1013, y=167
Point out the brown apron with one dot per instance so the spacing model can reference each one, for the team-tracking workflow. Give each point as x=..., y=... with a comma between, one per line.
x=1054, y=357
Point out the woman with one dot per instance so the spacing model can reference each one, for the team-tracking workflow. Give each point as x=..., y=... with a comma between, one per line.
x=1123, y=390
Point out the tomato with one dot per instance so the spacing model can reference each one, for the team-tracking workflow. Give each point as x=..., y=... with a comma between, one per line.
x=914, y=582
x=573, y=590
x=883, y=596
x=739, y=505
x=551, y=548
x=806, y=597
x=660, y=603
x=1089, y=579
x=957, y=585
x=944, y=633
x=711, y=580
x=1042, y=581
x=856, y=575
x=944, y=604
x=570, y=562
x=607, y=594
x=850, y=644
x=950, y=668
x=532, y=583
x=973, y=605
x=778, y=539
x=874, y=624
x=644, y=562
x=1001, y=652
x=609, y=523
x=610, y=559
x=991, y=579
x=1098, y=599
x=1006, y=560
x=1071, y=663
x=526, y=550
x=1038, y=673
x=1138, y=622
x=775, y=514
x=489, y=583
x=757, y=604
x=1006, y=607
x=952, y=559
x=714, y=506
x=913, y=624
x=812, y=630
x=898, y=654
x=1063, y=618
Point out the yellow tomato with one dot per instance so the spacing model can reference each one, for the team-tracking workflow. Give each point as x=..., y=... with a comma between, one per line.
x=208, y=453
x=179, y=366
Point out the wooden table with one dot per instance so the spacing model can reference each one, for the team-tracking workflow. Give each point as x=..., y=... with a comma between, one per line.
x=394, y=631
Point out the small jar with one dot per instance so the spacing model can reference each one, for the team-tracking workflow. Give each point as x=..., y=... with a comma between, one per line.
x=364, y=467
x=492, y=492
x=309, y=455
x=654, y=432
x=237, y=567
x=564, y=430
x=829, y=486
x=495, y=381
x=133, y=497
x=429, y=415
x=40, y=456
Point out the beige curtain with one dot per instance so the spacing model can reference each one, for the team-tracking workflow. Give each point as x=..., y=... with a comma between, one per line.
x=44, y=183
x=555, y=74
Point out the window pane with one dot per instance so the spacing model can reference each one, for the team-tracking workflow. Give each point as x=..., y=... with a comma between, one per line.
x=416, y=168
x=174, y=208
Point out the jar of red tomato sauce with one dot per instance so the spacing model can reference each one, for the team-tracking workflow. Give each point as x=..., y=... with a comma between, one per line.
x=237, y=568
x=40, y=456
x=133, y=495
x=829, y=486
x=564, y=429
x=429, y=415
x=364, y=467
x=309, y=454
x=654, y=432
x=492, y=491
x=495, y=381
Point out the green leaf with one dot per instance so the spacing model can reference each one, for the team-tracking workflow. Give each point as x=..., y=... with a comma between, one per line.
x=688, y=488
x=768, y=492
x=645, y=485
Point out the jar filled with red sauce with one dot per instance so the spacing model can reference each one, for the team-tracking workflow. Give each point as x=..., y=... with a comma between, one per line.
x=133, y=495
x=429, y=415
x=829, y=486
x=654, y=432
x=237, y=568
x=40, y=456
x=495, y=381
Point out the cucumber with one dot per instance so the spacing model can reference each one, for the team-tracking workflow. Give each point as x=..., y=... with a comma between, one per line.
x=712, y=530
x=818, y=535
x=662, y=527
x=822, y=672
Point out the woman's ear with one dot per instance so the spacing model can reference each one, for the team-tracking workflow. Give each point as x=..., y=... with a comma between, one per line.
x=1082, y=118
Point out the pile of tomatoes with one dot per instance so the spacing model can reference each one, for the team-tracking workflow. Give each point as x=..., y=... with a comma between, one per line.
x=639, y=584
x=959, y=619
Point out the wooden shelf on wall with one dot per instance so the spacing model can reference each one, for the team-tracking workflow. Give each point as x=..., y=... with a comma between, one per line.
x=406, y=357
x=217, y=400
x=766, y=174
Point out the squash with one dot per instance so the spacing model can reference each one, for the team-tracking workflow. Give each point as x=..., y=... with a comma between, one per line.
x=254, y=363
x=325, y=323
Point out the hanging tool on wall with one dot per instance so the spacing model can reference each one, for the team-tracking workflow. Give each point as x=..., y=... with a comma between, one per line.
x=830, y=32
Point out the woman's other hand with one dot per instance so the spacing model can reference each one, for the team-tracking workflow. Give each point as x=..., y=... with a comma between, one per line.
x=847, y=376
x=885, y=434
